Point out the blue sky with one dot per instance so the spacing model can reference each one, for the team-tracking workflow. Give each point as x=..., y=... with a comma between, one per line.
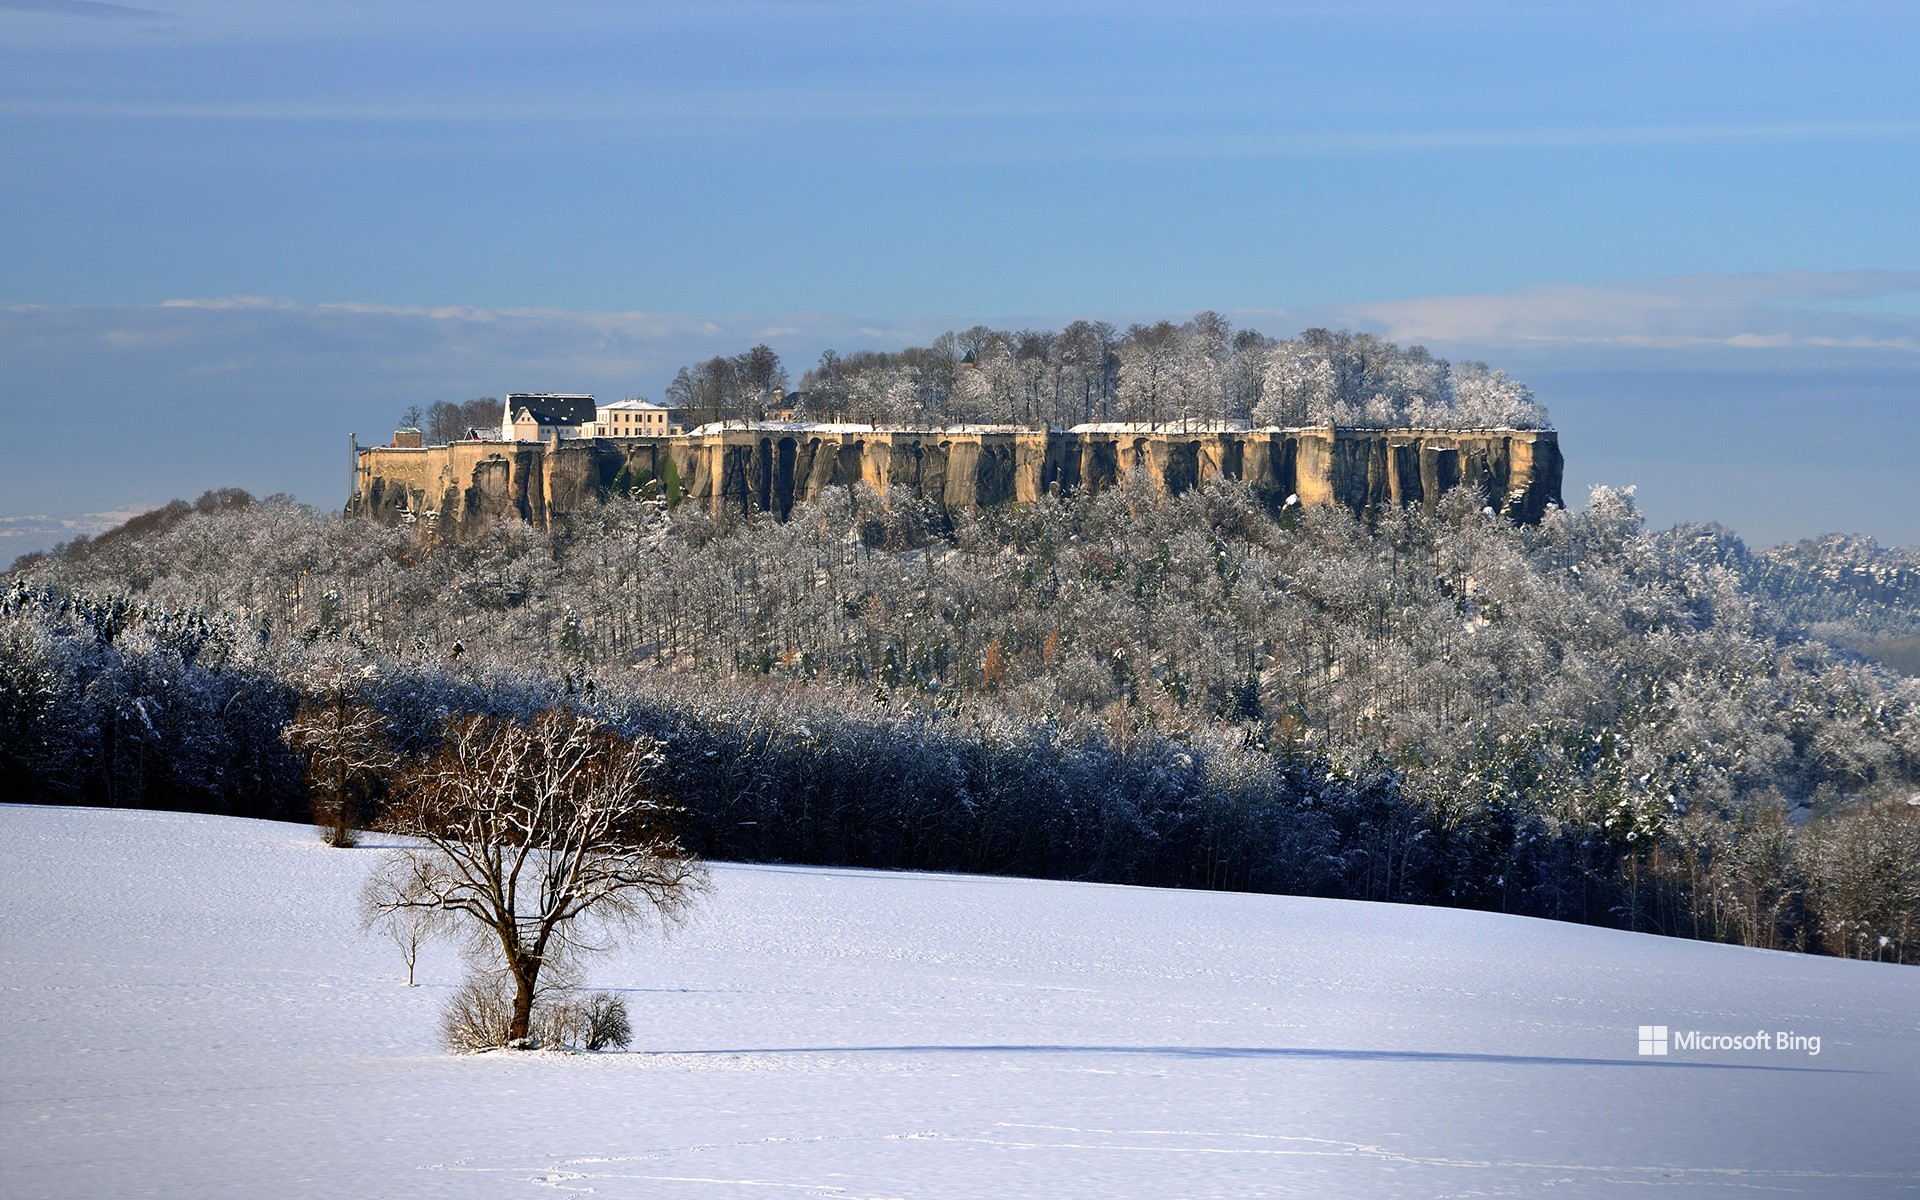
x=1690, y=226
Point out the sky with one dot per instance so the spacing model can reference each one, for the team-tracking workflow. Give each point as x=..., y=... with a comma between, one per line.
x=233, y=233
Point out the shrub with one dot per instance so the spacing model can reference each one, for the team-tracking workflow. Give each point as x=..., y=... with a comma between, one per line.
x=479, y=1015
x=597, y=1022
x=606, y=1021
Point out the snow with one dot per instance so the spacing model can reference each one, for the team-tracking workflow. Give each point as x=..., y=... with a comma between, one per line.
x=737, y=426
x=1168, y=426
x=1171, y=425
x=191, y=1011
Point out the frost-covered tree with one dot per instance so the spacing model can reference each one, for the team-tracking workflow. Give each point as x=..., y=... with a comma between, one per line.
x=1299, y=388
x=1034, y=357
x=1200, y=372
x=990, y=385
x=1244, y=380
x=1154, y=360
x=1202, y=369
x=1586, y=719
x=1865, y=865
x=1489, y=399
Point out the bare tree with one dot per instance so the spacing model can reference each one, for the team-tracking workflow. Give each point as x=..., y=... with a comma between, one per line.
x=408, y=936
x=1085, y=350
x=541, y=839
x=757, y=373
x=410, y=927
x=705, y=390
x=449, y=422
x=345, y=744
x=1034, y=356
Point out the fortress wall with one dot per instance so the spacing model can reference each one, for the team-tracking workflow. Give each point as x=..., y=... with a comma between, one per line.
x=459, y=490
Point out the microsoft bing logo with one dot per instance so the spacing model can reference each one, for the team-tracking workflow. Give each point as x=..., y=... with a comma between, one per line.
x=1659, y=1041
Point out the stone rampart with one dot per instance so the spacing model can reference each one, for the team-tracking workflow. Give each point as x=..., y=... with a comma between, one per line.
x=457, y=490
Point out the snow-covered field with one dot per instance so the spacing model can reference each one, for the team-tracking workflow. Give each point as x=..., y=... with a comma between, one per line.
x=190, y=1011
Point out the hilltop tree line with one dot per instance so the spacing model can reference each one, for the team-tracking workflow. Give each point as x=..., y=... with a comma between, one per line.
x=1585, y=720
x=1199, y=373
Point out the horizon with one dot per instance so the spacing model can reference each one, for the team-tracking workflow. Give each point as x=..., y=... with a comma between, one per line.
x=255, y=230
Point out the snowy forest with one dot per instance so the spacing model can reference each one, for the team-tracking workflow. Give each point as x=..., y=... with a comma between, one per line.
x=1586, y=720
x=1201, y=373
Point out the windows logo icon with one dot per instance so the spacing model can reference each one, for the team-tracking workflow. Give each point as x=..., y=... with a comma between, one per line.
x=1653, y=1039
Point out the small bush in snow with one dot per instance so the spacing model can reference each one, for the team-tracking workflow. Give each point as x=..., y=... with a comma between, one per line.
x=569, y=1022
x=479, y=1016
x=558, y=1024
x=607, y=1024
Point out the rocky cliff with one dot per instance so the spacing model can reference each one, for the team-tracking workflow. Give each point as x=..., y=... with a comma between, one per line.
x=454, y=491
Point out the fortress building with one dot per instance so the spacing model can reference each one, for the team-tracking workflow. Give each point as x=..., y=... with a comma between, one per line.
x=456, y=490
x=545, y=416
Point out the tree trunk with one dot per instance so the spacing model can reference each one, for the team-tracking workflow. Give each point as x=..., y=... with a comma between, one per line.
x=522, y=1023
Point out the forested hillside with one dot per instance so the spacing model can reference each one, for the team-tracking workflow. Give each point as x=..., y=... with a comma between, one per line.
x=1584, y=720
x=1850, y=591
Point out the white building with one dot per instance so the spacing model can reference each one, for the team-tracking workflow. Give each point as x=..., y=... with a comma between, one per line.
x=635, y=418
x=546, y=416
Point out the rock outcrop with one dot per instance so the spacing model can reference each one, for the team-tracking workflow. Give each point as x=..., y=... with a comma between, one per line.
x=456, y=490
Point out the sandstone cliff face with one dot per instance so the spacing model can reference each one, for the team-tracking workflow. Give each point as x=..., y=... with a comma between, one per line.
x=456, y=491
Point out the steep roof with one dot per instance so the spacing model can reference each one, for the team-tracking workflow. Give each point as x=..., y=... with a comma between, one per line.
x=546, y=419
x=551, y=408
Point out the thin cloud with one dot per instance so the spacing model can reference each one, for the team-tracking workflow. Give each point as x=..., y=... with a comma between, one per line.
x=43, y=531
x=1756, y=313
x=231, y=303
x=1761, y=312
x=193, y=337
x=648, y=111
x=1201, y=145
x=683, y=113
x=97, y=9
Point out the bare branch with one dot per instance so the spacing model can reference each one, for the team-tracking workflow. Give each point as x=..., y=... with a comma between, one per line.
x=544, y=839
